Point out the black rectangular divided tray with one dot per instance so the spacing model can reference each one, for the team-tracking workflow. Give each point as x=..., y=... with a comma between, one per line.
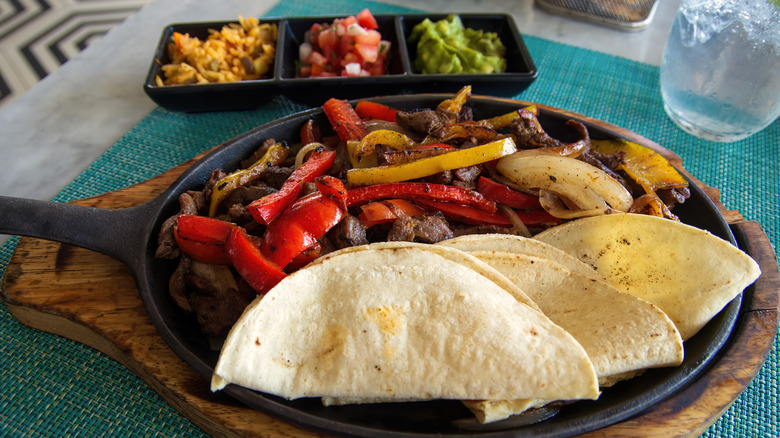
x=401, y=78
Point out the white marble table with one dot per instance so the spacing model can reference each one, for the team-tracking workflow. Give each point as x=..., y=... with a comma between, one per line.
x=50, y=134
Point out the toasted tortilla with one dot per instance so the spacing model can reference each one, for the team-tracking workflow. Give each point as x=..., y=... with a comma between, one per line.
x=400, y=323
x=620, y=332
x=521, y=245
x=687, y=272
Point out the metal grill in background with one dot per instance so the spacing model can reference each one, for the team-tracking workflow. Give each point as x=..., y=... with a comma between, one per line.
x=621, y=14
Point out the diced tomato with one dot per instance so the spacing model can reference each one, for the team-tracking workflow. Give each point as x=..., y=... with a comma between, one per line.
x=318, y=70
x=327, y=38
x=375, y=68
x=371, y=37
x=304, y=71
x=350, y=58
x=315, y=29
x=366, y=19
x=253, y=266
x=346, y=45
x=346, y=22
x=367, y=51
x=346, y=41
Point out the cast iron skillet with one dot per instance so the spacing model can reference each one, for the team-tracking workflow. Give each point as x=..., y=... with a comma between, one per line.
x=129, y=235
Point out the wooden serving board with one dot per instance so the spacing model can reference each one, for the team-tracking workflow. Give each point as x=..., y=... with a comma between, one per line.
x=63, y=289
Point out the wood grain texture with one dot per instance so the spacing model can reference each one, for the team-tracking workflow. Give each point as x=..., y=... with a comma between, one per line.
x=63, y=289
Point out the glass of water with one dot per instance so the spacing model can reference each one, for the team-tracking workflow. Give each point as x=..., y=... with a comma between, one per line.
x=720, y=74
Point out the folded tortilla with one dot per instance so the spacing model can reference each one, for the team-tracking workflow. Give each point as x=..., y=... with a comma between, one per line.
x=687, y=272
x=620, y=332
x=455, y=255
x=400, y=323
x=521, y=245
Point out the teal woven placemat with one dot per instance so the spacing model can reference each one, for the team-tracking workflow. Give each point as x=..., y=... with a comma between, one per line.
x=50, y=386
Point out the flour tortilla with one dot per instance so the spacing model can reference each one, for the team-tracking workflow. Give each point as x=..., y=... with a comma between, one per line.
x=521, y=245
x=454, y=255
x=687, y=272
x=620, y=332
x=401, y=323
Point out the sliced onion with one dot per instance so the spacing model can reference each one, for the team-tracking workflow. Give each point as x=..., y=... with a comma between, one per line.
x=588, y=187
x=517, y=224
x=557, y=207
x=304, y=151
x=304, y=50
x=376, y=125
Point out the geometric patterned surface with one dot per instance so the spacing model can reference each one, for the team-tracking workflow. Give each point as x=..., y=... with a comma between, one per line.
x=38, y=36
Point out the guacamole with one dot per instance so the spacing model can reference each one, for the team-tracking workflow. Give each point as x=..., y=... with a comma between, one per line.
x=447, y=47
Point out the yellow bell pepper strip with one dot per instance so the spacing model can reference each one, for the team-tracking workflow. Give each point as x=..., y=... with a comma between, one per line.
x=420, y=190
x=267, y=208
x=345, y=121
x=363, y=152
x=273, y=157
x=432, y=165
x=648, y=168
x=505, y=120
x=451, y=107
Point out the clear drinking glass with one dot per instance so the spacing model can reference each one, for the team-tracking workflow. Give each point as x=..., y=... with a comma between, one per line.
x=720, y=74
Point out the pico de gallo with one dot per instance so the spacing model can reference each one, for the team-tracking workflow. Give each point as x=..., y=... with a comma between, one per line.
x=392, y=175
x=350, y=46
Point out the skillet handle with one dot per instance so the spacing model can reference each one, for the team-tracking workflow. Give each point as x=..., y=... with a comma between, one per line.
x=114, y=232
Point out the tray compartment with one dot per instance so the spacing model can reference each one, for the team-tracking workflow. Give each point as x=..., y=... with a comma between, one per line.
x=401, y=78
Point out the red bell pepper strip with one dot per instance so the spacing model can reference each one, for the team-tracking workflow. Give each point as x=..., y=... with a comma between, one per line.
x=259, y=272
x=310, y=133
x=418, y=190
x=332, y=187
x=265, y=209
x=466, y=214
x=305, y=257
x=347, y=124
x=473, y=216
x=203, y=229
x=299, y=227
x=211, y=253
x=504, y=195
x=371, y=110
x=382, y=212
